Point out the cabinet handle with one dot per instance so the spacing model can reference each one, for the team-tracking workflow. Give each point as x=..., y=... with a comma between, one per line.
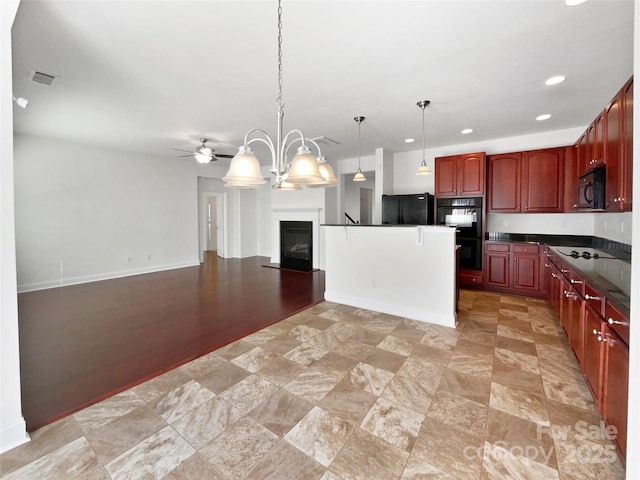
x=575, y=205
x=595, y=331
x=611, y=321
x=575, y=281
x=600, y=339
x=564, y=270
x=590, y=297
x=546, y=265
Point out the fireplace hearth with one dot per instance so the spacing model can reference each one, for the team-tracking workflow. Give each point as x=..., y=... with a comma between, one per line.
x=296, y=245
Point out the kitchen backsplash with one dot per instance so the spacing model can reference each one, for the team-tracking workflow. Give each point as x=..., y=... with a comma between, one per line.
x=614, y=226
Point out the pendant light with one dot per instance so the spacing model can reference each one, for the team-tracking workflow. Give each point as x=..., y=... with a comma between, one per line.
x=244, y=171
x=424, y=168
x=359, y=176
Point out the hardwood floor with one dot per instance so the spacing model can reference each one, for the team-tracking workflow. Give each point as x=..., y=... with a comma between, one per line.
x=83, y=343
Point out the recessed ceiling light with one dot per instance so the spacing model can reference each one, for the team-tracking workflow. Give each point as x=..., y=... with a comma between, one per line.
x=545, y=116
x=555, y=80
x=409, y=140
x=573, y=3
x=466, y=131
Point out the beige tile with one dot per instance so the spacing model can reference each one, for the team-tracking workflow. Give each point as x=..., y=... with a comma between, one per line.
x=458, y=412
x=320, y=435
x=281, y=411
x=281, y=344
x=306, y=354
x=348, y=401
x=302, y=332
x=418, y=469
x=204, y=423
x=73, y=460
x=116, y=437
x=160, y=385
x=514, y=345
x=108, y=410
x=194, y=468
x=312, y=385
x=249, y=393
x=284, y=461
x=254, y=359
x=401, y=346
x=479, y=365
x=367, y=457
x=280, y=371
x=326, y=340
x=334, y=364
x=194, y=370
x=152, y=458
x=263, y=336
x=239, y=448
x=435, y=355
x=223, y=377
x=371, y=379
x=356, y=350
x=477, y=389
x=454, y=452
x=500, y=463
x=235, y=349
x=519, y=402
x=393, y=423
x=366, y=336
x=389, y=361
x=181, y=400
x=43, y=441
x=522, y=361
x=517, y=333
x=406, y=391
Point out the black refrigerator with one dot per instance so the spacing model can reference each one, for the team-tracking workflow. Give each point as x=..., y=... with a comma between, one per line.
x=413, y=209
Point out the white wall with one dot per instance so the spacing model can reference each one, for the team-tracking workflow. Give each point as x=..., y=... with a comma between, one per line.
x=82, y=211
x=614, y=226
x=352, y=195
x=13, y=431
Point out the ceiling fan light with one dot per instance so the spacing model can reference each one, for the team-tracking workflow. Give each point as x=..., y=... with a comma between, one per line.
x=304, y=168
x=244, y=170
x=202, y=158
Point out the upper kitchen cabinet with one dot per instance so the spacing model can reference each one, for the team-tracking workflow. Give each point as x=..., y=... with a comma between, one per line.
x=460, y=175
x=619, y=150
x=527, y=182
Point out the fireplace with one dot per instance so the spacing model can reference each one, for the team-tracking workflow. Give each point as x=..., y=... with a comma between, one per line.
x=296, y=245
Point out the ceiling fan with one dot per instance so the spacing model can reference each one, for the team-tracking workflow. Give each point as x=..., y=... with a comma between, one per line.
x=204, y=154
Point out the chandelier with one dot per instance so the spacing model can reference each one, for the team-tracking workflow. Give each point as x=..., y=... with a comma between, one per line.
x=424, y=168
x=305, y=168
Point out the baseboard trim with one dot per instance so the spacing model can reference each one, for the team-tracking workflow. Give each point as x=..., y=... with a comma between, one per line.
x=412, y=314
x=65, y=282
x=13, y=435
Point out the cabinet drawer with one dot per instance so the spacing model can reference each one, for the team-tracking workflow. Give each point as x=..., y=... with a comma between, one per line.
x=497, y=247
x=617, y=322
x=470, y=279
x=594, y=298
x=526, y=248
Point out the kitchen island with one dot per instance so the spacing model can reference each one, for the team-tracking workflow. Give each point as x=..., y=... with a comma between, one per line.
x=408, y=271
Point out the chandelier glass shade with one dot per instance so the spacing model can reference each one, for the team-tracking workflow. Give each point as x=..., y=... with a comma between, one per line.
x=424, y=168
x=244, y=170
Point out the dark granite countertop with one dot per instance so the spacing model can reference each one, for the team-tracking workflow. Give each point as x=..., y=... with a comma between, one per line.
x=609, y=273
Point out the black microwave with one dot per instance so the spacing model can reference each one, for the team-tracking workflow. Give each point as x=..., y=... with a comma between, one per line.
x=591, y=189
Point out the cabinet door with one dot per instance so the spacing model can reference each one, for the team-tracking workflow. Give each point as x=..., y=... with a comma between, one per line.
x=613, y=153
x=592, y=351
x=526, y=269
x=471, y=174
x=616, y=387
x=597, y=149
x=446, y=181
x=497, y=269
x=504, y=183
x=627, y=147
x=576, y=324
x=542, y=181
x=582, y=154
x=565, y=307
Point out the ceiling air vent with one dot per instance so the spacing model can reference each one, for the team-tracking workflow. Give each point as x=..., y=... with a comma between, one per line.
x=325, y=141
x=42, y=77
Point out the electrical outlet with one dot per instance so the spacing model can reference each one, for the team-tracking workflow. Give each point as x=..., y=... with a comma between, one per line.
x=373, y=284
x=148, y=256
x=129, y=259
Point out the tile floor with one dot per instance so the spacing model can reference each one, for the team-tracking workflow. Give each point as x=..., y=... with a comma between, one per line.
x=335, y=392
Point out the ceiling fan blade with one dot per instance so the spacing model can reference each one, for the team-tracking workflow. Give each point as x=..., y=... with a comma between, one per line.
x=183, y=156
x=223, y=155
x=183, y=150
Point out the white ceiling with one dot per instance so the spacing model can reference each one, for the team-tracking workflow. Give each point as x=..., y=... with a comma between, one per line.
x=147, y=76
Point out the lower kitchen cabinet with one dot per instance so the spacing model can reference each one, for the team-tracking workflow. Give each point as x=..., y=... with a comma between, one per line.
x=593, y=348
x=514, y=268
x=616, y=386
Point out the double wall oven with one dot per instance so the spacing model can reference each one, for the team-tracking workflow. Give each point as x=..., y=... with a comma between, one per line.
x=465, y=215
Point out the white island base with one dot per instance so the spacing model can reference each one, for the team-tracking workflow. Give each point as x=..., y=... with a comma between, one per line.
x=408, y=271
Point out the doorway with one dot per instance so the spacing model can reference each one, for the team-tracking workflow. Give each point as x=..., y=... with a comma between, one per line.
x=366, y=206
x=211, y=224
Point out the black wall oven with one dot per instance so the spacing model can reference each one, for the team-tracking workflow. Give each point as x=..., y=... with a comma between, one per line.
x=465, y=215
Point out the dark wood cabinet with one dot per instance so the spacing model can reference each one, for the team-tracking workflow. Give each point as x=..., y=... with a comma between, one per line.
x=593, y=348
x=513, y=268
x=460, y=175
x=615, y=386
x=504, y=181
x=527, y=182
x=618, y=151
x=543, y=181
